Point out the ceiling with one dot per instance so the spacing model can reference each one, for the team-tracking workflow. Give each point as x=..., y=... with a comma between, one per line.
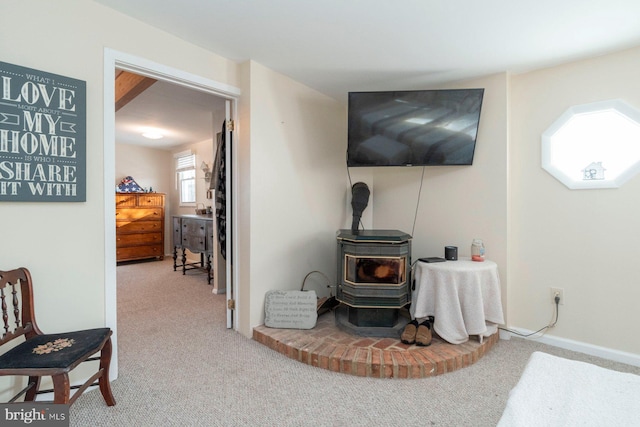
x=337, y=46
x=181, y=115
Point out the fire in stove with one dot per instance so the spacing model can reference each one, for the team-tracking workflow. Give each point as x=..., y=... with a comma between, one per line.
x=374, y=268
x=374, y=272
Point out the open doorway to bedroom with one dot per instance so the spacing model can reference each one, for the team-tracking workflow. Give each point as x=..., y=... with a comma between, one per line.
x=166, y=143
x=182, y=97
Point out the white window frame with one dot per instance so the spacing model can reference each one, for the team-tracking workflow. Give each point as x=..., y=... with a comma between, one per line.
x=185, y=165
x=561, y=174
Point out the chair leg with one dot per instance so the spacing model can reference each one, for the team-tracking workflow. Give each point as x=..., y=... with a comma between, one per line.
x=61, y=388
x=30, y=396
x=105, y=384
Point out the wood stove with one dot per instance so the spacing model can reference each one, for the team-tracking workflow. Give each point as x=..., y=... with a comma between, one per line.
x=374, y=276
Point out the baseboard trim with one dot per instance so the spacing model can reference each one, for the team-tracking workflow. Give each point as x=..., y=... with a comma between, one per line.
x=581, y=347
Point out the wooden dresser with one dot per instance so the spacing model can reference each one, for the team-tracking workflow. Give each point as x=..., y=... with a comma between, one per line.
x=139, y=226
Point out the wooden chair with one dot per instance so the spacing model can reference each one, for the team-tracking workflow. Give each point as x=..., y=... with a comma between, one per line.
x=41, y=354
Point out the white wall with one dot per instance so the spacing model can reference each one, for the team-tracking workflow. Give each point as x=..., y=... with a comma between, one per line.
x=585, y=241
x=298, y=183
x=149, y=167
x=155, y=168
x=204, y=151
x=457, y=203
x=63, y=244
x=292, y=184
x=82, y=30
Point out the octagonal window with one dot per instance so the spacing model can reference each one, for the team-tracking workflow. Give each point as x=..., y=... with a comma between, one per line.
x=593, y=145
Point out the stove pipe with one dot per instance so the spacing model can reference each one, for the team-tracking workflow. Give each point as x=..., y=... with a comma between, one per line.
x=359, y=200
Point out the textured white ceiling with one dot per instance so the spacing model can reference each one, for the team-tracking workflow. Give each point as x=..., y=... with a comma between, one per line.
x=337, y=46
x=182, y=115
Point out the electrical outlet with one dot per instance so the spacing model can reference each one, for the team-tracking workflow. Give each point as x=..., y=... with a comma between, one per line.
x=559, y=292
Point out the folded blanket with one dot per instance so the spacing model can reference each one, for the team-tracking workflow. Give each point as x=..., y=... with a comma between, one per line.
x=559, y=392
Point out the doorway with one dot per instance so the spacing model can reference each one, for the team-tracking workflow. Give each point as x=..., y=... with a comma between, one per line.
x=140, y=66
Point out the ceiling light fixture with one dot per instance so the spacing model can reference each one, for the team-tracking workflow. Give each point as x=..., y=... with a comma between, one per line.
x=152, y=135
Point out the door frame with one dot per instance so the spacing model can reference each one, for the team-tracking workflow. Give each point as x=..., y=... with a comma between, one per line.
x=114, y=59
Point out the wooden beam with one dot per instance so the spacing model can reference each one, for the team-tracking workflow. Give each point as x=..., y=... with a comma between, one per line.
x=128, y=86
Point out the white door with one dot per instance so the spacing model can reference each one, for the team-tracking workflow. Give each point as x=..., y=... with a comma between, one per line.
x=223, y=220
x=230, y=223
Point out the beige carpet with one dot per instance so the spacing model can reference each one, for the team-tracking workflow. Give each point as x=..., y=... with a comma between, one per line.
x=180, y=366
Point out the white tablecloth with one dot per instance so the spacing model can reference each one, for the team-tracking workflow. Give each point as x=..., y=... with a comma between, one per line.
x=463, y=296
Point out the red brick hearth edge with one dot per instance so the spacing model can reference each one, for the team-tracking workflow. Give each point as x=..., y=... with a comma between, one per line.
x=327, y=347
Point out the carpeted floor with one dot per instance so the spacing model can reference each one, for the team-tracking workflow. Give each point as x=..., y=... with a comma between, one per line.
x=180, y=366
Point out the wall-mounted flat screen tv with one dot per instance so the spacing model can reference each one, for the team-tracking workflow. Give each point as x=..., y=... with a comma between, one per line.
x=413, y=128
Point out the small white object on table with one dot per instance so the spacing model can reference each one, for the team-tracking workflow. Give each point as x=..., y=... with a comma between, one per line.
x=463, y=296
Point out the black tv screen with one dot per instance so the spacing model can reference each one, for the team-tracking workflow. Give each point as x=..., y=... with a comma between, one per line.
x=413, y=128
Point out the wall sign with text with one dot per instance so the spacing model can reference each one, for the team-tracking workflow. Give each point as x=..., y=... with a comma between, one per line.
x=43, y=127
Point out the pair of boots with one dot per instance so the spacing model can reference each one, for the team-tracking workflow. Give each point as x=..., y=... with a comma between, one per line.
x=419, y=334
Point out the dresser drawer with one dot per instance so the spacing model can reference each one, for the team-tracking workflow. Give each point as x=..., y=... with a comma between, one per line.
x=123, y=227
x=139, y=252
x=194, y=243
x=138, y=239
x=148, y=214
x=176, y=232
x=150, y=200
x=193, y=227
x=126, y=200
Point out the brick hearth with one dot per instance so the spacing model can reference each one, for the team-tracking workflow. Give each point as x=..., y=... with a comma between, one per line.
x=327, y=347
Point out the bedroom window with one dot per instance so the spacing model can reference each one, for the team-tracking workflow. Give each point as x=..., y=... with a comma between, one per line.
x=186, y=177
x=593, y=145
